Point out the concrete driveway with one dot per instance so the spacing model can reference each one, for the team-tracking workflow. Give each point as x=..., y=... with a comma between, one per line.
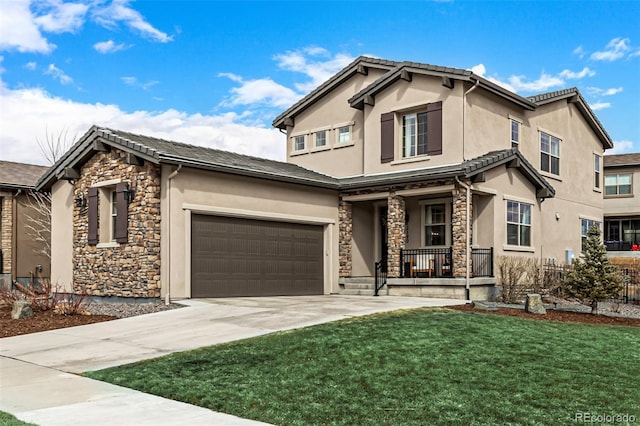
x=38, y=371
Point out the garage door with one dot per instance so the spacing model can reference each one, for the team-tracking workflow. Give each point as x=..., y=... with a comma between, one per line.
x=245, y=257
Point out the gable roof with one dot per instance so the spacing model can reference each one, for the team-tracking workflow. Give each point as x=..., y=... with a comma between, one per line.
x=621, y=160
x=573, y=95
x=159, y=151
x=20, y=175
x=469, y=169
x=359, y=65
x=357, y=101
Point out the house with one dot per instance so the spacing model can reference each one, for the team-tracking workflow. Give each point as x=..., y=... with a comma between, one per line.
x=22, y=255
x=415, y=175
x=622, y=204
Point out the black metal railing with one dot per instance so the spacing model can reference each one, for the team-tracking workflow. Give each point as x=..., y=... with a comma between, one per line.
x=482, y=262
x=426, y=263
x=618, y=245
x=381, y=276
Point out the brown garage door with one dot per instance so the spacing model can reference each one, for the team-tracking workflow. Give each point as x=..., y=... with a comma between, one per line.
x=245, y=257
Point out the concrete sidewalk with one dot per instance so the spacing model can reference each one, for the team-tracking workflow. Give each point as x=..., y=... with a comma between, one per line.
x=36, y=385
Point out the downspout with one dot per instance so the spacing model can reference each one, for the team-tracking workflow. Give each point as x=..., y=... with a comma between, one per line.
x=167, y=297
x=464, y=107
x=468, y=236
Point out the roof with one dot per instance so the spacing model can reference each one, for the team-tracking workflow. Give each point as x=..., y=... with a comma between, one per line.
x=469, y=169
x=342, y=75
x=20, y=175
x=621, y=160
x=573, y=95
x=158, y=151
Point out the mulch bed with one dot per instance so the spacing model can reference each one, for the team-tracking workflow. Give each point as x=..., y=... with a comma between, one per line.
x=43, y=321
x=553, y=315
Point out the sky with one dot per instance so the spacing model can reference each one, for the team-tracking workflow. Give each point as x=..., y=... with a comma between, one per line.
x=217, y=73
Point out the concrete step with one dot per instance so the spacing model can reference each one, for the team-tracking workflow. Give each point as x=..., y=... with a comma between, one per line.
x=370, y=280
x=361, y=292
x=359, y=286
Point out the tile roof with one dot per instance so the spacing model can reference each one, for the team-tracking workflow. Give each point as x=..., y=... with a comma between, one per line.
x=544, y=98
x=622, y=160
x=20, y=175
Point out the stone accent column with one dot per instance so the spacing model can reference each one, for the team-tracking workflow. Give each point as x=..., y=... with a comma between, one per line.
x=6, y=232
x=396, y=233
x=459, y=231
x=345, y=231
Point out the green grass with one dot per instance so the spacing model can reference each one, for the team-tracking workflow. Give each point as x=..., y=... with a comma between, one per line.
x=7, y=419
x=429, y=366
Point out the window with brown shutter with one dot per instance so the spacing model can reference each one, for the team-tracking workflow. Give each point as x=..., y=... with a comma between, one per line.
x=422, y=131
x=121, y=219
x=386, y=137
x=92, y=213
x=434, y=128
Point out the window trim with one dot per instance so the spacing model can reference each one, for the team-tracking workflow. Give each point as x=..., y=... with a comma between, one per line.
x=401, y=125
x=512, y=120
x=519, y=223
x=448, y=238
x=617, y=185
x=597, y=172
x=294, y=140
x=551, y=136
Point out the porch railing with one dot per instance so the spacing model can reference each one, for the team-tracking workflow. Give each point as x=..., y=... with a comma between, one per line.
x=426, y=263
x=381, y=276
x=482, y=262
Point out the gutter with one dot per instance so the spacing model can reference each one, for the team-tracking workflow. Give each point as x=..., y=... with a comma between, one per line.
x=167, y=297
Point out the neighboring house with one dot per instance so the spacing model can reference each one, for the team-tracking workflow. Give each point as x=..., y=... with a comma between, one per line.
x=415, y=173
x=22, y=257
x=622, y=204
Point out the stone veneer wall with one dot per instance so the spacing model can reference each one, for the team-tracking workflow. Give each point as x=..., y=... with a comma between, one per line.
x=396, y=231
x=459, y=230
x=345, y=218
x=126, y=270
x=6, y=234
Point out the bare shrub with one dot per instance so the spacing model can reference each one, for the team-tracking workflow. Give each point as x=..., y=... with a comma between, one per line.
x=534, y=276
x=511, y=270
x=44, y=297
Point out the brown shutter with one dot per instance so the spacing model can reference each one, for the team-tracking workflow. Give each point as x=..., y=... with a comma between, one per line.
x=122, y=211
x=92, y=213
x=434, y=128
x=386, y=137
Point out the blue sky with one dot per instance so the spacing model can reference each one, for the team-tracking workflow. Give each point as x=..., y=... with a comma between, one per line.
x=216, y=73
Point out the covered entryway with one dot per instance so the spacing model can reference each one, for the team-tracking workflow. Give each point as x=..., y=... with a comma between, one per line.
x=233, y=257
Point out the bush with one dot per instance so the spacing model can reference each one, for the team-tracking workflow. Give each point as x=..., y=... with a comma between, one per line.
x=43, y=297
x=511, y=269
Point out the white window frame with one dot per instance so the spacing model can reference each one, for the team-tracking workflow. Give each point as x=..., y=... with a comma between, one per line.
x=515, y=142
x=519, y=223
x=324, y=133
x=294, y=141
x=406, y=150
x=552, y=138
x=339, y=134
x=447, y=224
x=617, y=185
x=597, y=172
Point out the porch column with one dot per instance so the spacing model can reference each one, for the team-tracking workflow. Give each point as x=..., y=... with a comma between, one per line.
x=6, y=232
x=459, y=231
x=345, y=231
x=396, y=233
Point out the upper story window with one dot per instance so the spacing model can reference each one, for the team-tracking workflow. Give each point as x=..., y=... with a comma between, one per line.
x=515, y=133
x=549, y=153
x=299, y=143
x=518, y=223
x=414, y=134
x=344, y=134
x=618, y=184
x=596, y=171
x=321, y=138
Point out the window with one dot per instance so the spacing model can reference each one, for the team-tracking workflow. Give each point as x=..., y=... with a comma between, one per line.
x=549, y=153
x=515, y=133
x=298, y=143
x=585, y=224
x=321, y=138
x=619, y=184
x=414, y=134
x=344, y=134
x=518, y=224
x=114, y=215
x=596, y=171
x=107, y=213
x=435, y=225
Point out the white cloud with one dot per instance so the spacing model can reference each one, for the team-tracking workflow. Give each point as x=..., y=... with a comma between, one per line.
x=56, y=72
x=586, y=72
x=596, y=91
x=579, y=51
x=614, y=50
x=133, y=81
x=261, y=91
x=31, y=66
x=600, y=105
x=19, y=29
x=108, y=46
x=318, y=70
x=621, y=147
x=60, y=17
x=119, y=11
x=543, y=83
x=31, y=114
x=479, y=70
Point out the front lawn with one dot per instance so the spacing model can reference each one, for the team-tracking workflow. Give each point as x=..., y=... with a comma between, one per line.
x=428, y=366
